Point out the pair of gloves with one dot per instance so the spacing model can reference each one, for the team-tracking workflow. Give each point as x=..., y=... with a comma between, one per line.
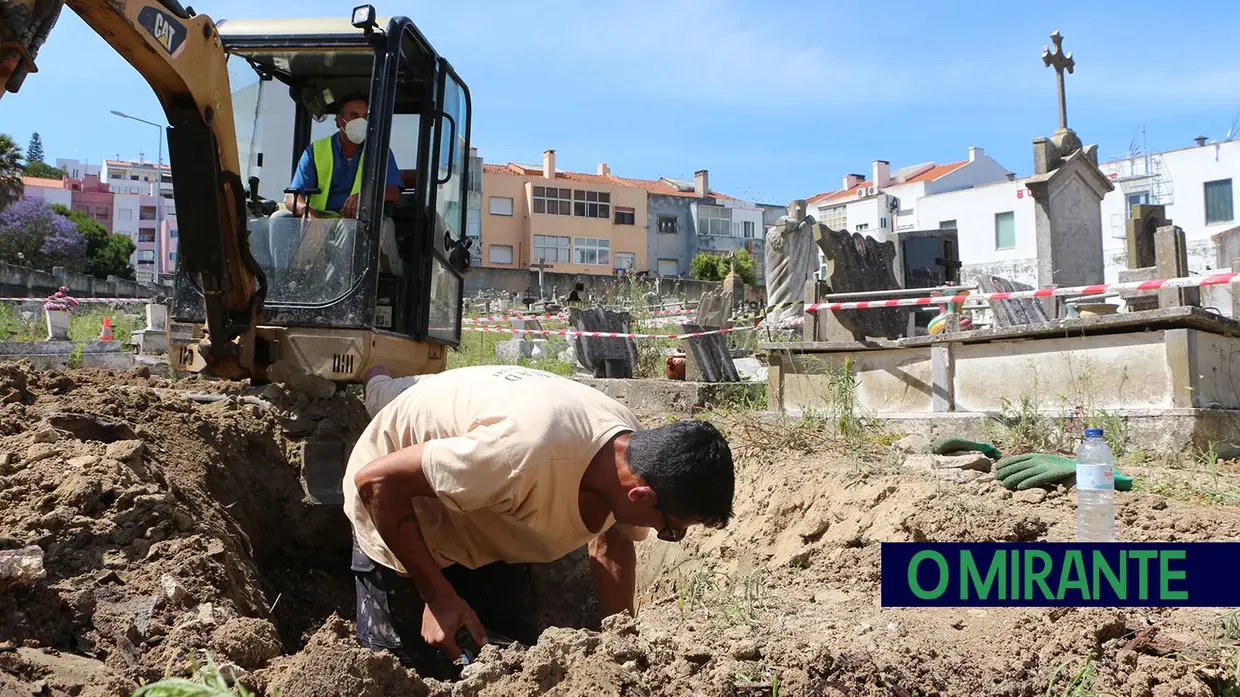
x=1019, y=472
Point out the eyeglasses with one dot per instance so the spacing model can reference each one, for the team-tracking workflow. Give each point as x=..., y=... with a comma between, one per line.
x=668, y=533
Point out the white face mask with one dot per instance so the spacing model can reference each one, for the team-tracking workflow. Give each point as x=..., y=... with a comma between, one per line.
x=355, y=130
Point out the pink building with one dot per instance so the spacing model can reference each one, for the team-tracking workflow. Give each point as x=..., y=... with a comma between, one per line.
x=52, y=191
x=92, y=197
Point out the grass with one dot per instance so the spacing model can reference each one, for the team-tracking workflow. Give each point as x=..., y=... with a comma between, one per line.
x=1078, y=684
x=85, y=323
x=726, y=600
x=1205, y=481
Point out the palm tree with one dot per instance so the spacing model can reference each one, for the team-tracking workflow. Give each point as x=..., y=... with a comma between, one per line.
x=11, y=187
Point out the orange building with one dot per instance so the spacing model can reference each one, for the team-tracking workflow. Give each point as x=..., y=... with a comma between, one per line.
x=570, y=221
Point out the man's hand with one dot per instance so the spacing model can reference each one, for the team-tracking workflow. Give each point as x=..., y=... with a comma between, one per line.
x=443, y=617
x=349, y=209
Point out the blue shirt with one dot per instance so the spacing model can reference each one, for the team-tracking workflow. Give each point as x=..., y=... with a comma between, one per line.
x=344, y=172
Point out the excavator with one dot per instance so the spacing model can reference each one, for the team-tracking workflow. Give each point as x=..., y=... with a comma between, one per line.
x=262, y=293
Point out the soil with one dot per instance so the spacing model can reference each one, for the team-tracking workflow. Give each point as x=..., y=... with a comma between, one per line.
x=169, y=527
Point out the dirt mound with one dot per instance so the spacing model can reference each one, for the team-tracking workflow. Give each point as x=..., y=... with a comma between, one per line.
x=167, y=525
x=173, y=524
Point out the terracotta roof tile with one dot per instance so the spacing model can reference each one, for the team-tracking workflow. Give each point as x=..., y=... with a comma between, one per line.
x=927, y=176
x=936, y=172
x=42, y=182
x=650, y=185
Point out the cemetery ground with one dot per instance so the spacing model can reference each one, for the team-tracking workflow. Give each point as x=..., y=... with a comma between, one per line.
x=173, y=532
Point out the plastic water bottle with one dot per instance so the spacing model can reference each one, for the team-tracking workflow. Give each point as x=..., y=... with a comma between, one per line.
x=1095, y=489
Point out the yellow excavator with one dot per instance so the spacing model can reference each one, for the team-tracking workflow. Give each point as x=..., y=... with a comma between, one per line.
x=262, y=293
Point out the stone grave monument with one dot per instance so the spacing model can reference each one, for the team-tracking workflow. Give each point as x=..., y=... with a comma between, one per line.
x=708, y=358
x=858, y=263
x=1142, y=258
x=603, y=357
x=1067, y=188
x=790, y=261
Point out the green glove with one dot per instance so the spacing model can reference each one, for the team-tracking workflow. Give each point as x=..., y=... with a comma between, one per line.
x=1020, y=472
x=947, y=446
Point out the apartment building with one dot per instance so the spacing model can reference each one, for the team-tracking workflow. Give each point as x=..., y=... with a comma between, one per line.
x=145, y=210
x=600, y=223
x=76, y=169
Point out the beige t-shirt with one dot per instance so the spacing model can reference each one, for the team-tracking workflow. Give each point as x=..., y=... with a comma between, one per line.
x=506, y=448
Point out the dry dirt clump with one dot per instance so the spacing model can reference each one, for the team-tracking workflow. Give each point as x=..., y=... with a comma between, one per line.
x=167, y=525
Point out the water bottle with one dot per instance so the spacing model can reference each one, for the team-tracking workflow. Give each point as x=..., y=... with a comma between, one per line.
x=1095, y=489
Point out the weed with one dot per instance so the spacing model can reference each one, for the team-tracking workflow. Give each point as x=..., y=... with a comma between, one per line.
x=1078, y=684
x=726, y=600
x=208, y=682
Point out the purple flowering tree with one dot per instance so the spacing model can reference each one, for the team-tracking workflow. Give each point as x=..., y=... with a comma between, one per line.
x=32, y=234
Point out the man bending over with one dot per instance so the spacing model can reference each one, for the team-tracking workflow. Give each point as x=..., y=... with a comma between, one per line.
x=468, y=474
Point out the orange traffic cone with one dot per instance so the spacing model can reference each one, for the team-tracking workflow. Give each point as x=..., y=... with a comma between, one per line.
x=106, y=334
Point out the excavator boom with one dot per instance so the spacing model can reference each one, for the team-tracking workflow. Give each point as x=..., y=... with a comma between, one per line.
x=180, y=56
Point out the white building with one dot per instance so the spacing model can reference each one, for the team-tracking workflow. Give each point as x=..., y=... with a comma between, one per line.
x=983, y=217
x=887, y=206
x=51, y=191
x=76, y=169
x=1199, y=186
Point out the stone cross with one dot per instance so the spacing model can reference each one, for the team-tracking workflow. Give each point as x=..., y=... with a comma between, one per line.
x=1059, y=61
x=542, y=264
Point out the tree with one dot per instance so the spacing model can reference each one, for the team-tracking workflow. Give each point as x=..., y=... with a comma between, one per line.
x=715, y=267
x=107, y=254
x=44, y=171
x=34, y=153
x=11, y=187
x=33, y=234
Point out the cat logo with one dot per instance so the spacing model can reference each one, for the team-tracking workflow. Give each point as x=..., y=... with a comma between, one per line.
x=166, y=30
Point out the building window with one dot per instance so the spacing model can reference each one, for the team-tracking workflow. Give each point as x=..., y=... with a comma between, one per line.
x=835, y=217
x=133, y=177
x=592, y=250
x=101, y=213
x=669, y=267
x=124, y=215
x=747, y=228
x=172, y=256
x=551, y=249
x=626, y=261
x=1219, y=202
x=626, y=216
x=499, y=254
x=1005, y=230
x=146, y=237
x=117, y=175
x=172, y=233
x=1142, y=198
x=862, y=226
x=552, y=201
x=714, y=220
x=591, y=204
x=501, y=205
x=667, y=224
x=947, y=224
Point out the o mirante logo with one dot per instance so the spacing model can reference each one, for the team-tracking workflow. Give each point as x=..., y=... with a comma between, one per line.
x=956, y=574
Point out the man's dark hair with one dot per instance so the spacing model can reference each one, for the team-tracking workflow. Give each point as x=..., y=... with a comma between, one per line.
x=352, y=97
x=689, y=465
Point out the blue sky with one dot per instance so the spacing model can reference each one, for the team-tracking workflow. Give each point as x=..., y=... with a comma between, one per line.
x=778, y=100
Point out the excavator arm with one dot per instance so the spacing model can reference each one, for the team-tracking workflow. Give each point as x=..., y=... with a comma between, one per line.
x=180, y=55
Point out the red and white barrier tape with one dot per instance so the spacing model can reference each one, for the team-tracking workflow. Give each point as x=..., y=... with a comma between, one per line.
x=1186, y=282
x=618, y=335
x=112, y=301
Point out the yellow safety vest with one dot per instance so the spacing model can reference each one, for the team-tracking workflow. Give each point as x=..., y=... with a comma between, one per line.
x=324, y=162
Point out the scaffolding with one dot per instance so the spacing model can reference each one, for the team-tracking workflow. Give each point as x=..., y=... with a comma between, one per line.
x=1142, y=178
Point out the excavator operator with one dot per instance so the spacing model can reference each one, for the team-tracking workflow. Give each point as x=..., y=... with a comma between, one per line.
x=327, y=185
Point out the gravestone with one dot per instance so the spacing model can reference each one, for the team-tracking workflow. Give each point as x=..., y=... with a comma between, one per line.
x=1014, y=311
x=1145, y=221
x=734, y=288
x=708, y=358
x=1067, y=188
x=1171, y=261
x=604, y=357
x=861, y=263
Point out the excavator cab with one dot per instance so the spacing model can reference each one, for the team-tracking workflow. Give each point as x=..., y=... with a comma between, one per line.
x=344, y=293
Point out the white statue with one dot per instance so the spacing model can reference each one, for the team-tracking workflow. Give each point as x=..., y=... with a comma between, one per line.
x=791, y=260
